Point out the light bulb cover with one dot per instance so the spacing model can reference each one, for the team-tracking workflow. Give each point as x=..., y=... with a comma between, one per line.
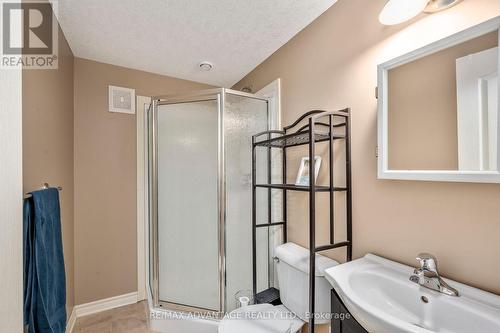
x=399, y=11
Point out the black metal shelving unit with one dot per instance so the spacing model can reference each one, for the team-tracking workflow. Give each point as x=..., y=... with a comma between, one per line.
x=321, y=126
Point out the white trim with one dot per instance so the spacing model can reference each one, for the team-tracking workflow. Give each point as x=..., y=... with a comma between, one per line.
x=105, y=304
x=11, y=200
x=272, y=92
x=443, y=176
x=70, y=325
x=383, y=156
x=142, y=210
x=99, y=306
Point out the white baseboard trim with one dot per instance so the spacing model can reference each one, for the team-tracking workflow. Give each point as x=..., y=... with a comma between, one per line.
x=99, y=306
x=105, y=304
x=71, y=321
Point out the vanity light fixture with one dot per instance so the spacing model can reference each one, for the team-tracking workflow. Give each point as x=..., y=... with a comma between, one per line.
x=399, y=11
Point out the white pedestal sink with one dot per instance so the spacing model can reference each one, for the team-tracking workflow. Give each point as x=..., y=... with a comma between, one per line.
x=380, y=296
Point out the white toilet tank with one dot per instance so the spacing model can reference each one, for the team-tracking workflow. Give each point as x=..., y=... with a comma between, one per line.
x=293, y=280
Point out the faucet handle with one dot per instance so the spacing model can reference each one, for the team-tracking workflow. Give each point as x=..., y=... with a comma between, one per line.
x=427, y=262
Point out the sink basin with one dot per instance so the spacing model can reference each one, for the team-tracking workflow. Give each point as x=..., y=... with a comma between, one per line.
x=380, y=296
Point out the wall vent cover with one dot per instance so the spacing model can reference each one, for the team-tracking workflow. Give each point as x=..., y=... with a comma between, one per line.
x=121, y=100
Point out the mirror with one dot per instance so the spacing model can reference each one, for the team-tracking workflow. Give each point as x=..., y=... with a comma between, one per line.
x=438, y=110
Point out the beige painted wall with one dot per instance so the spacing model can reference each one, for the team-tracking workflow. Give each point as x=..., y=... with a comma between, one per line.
x=105, y=178
x=423, y=108
x=48, y=142
x=332, y=64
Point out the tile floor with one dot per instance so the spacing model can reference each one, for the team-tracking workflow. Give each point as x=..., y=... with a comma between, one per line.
x=131, y=319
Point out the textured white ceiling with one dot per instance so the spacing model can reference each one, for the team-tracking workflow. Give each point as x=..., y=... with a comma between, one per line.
x=171, y=37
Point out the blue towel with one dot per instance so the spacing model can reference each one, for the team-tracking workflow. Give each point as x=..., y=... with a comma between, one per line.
x=45, y=280
x=28, y=256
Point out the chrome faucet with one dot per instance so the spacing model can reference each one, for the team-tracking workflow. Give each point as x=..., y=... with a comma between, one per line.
x=427, y=275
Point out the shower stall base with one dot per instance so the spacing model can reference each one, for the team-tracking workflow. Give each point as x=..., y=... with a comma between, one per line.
x=167, y=321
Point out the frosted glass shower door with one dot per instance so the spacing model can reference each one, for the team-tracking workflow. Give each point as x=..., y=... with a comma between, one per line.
x=188, y=227
x=243, y=117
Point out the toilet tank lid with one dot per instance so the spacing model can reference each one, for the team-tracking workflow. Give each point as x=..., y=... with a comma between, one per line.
x=298, y=257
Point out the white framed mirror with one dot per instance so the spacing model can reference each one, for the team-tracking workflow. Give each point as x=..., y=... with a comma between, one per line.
x=438, y=110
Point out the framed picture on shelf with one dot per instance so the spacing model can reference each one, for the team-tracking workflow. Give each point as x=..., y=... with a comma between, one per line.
x=303, y=174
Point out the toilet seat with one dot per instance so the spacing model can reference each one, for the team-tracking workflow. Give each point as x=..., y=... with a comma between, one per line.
x=260, y=318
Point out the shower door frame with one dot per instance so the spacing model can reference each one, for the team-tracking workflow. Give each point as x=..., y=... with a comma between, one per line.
x=219, y=95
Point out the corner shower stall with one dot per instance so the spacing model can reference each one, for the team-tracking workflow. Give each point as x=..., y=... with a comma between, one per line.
x=200, y=199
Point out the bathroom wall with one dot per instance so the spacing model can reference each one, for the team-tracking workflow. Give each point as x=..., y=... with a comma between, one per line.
x=105, y=178
x=332, y=64
x=48, y=142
